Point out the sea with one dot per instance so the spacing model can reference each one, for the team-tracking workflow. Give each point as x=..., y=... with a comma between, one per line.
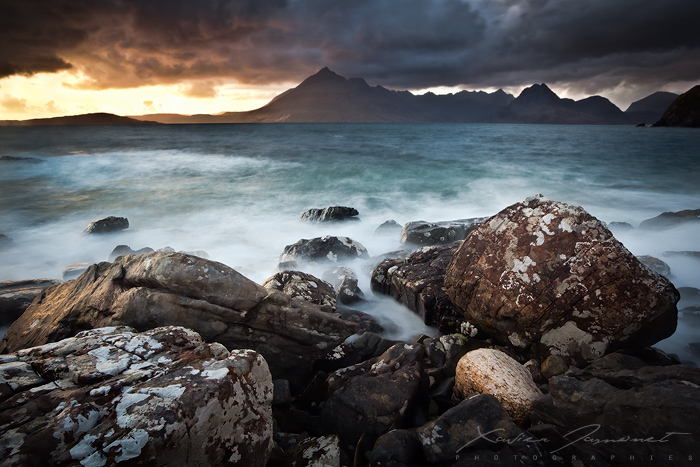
x=237, y=191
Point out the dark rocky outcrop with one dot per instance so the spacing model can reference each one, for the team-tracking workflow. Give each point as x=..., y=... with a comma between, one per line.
x=323, y=249
x=112, y=395
x=669, y=220
x=160, y=289
x=418, y=283
x=121, y=250
x=16, y=296
x=648, y=412
x=304, y=286
x=330, y=214
x=347, y=290
x=438, y=233
x=548, y=278
x=373, y=397
x=107, y=225
x=684, y=111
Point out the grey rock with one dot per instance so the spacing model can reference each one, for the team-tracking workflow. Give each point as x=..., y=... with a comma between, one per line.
x=109, y=224
x=121, y=250
x=656, y=265
x=620, y=226
x=438, y=233
x=304, y=286
x=112, y=395
x=388, y=228
x=73, y=270
x=322, y=451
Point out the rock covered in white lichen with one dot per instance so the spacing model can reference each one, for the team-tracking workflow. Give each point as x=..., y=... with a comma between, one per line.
x=490, y=371
x=111, y=395
x=301, y=285
x=323, y=250
x=548, y=277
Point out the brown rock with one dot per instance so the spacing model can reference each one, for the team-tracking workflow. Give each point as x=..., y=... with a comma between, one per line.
x=418, y=283
x=16, y=296
x=490, y=371
x=550, y=278
x=111, y=395
x=160, y=289
x=552, y=366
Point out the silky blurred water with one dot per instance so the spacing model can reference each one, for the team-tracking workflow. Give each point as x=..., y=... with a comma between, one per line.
x=236, y=191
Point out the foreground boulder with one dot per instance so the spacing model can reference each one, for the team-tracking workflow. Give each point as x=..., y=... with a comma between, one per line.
x=418, y=283
x=111, y=395
x=549, y=278
x=648, y=413
x=437, y=233
x=330, y=214
x=375, y=396
x=323, y=249
x=490, y=371
x=16, y=296
x=160, y=289
x=107, y=225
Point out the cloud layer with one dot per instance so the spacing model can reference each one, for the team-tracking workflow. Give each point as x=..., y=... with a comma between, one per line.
x=588, y=45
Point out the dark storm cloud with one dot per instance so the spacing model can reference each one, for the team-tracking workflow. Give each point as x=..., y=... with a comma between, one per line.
x=590, y=45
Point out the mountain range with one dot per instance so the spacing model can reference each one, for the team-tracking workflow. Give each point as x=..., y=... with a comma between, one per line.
x=329, y=97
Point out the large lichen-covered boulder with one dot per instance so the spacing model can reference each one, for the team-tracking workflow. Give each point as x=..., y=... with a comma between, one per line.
x=305, y=287
x=548, y=277
x=112, y=395
x=161, y=289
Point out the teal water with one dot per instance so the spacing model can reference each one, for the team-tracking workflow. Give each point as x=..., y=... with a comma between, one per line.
x=236, y=191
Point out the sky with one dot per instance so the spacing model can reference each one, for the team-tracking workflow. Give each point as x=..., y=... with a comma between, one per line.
x=133, y=57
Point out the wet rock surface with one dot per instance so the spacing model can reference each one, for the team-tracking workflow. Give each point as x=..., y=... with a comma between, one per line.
x=330, y=214
x=418, y=282
x=304, y=286
x=437, y=233
x=109, y=224
x=113, y=395
x=16, y=296
x=160, y=289
x=323, y=249
x=548, y=278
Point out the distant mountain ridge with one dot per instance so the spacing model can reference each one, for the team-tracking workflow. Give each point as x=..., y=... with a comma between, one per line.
x=329, y=97
x=100, y=118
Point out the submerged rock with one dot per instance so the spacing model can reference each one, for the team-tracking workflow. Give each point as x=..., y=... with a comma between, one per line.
x=549, y=278
x=112, y=395
x=436, y=233
x=418, y=283
x=344, y=279
x=324, y=249
x=107, y=225
x=330, y=214
x=390, y=227
x=16, y=296
x=620, y=226
x=160, y=289
x=121, y=250
x=73, y=270
x=656, y=265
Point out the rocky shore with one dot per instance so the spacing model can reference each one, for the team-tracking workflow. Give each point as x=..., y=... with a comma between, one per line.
x=542, y=354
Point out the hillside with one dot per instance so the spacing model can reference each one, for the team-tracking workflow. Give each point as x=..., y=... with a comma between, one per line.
x=651, y=108
x=85, y=119
x=684, y=111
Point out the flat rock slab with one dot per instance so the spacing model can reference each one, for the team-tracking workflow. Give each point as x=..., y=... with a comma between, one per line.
x=113, y=395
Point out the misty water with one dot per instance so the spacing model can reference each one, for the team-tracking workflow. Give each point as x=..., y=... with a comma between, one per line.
x=237, y=191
